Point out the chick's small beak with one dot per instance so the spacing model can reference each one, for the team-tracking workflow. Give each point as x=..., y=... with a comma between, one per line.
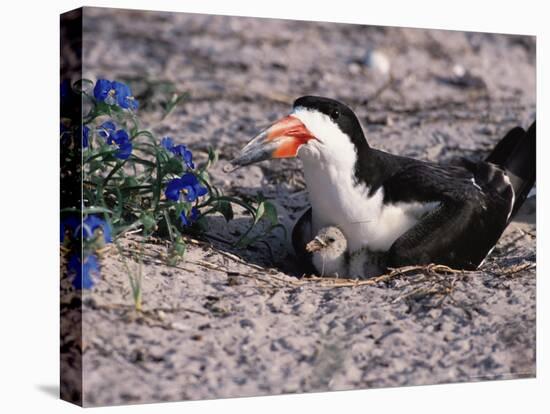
x=315, y=245
x=280, y=140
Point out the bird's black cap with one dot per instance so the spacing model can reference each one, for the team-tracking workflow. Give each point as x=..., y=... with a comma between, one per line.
x=340, y=114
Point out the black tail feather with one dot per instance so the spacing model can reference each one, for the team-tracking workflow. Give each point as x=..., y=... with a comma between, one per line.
x=506, y=146
x=516, y=155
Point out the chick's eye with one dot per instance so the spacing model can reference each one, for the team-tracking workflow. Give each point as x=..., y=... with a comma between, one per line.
x=335, y=114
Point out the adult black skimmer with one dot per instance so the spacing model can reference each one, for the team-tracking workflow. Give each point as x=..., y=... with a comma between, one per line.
x=416, y=212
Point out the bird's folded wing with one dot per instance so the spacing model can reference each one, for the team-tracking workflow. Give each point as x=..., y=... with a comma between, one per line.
x=460, y=231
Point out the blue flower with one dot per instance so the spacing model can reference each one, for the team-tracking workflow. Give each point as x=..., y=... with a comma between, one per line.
x=189, y=184
x=85, y=273
x=92, y=223
x=124, y=150
x=70, y=223
x=113, y=92
x=195, y=213
x=191, y=218
x=120, y=137
x=167, y=143
x=106, y=128
x=185, y=154
x=85, y=136
x=179, y=150
x=124, y=96
x=103, y=88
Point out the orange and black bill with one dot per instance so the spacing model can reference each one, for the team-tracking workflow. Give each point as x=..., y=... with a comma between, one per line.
x=280, y=140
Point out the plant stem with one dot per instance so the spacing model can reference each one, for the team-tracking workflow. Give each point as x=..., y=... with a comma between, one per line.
x=113, y=171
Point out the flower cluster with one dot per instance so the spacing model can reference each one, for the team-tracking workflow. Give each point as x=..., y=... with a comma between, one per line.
x=83, y=238
x=112, y=93
x=95, y=227
x=187, y=186
x=96, y=233
x=190, y=189
x=156, y=188
x=111, y=123
x=116, y=136
x=115, y=93
x=180, y=150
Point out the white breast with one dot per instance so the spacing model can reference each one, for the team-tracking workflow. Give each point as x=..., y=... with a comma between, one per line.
x=338, y=200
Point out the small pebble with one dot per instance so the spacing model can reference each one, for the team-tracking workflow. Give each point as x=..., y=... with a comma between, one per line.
x=459, y=70
x=378, y=61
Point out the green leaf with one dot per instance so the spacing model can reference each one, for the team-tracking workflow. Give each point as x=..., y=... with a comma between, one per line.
x=95, y=210
x=212, y=155
x=142, y=161
x=173, y=166
x=173, y=102
x=260, y=211
x=270, y=212
x=203, y=176
x=147, y=134
x=158, y=184
x=225, y=208
x=148, y=221
x=180, y=247
x=102, y=108
x=182, y=208
x=130, y=182
x=169, y=225
x=176, y=251
x=95, y=165
x=212, y=158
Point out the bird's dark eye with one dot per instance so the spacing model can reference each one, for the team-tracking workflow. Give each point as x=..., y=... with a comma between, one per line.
x=331, y=240
x=335, y=114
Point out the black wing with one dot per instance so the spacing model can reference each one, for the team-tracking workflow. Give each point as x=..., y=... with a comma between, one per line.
x=474, y=206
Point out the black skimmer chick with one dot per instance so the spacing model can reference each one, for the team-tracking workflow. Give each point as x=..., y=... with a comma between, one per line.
x=329, y=252
x=414, y=211
x=330, y=256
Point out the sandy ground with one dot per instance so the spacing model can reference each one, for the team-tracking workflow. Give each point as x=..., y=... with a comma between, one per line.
x=228, y=322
